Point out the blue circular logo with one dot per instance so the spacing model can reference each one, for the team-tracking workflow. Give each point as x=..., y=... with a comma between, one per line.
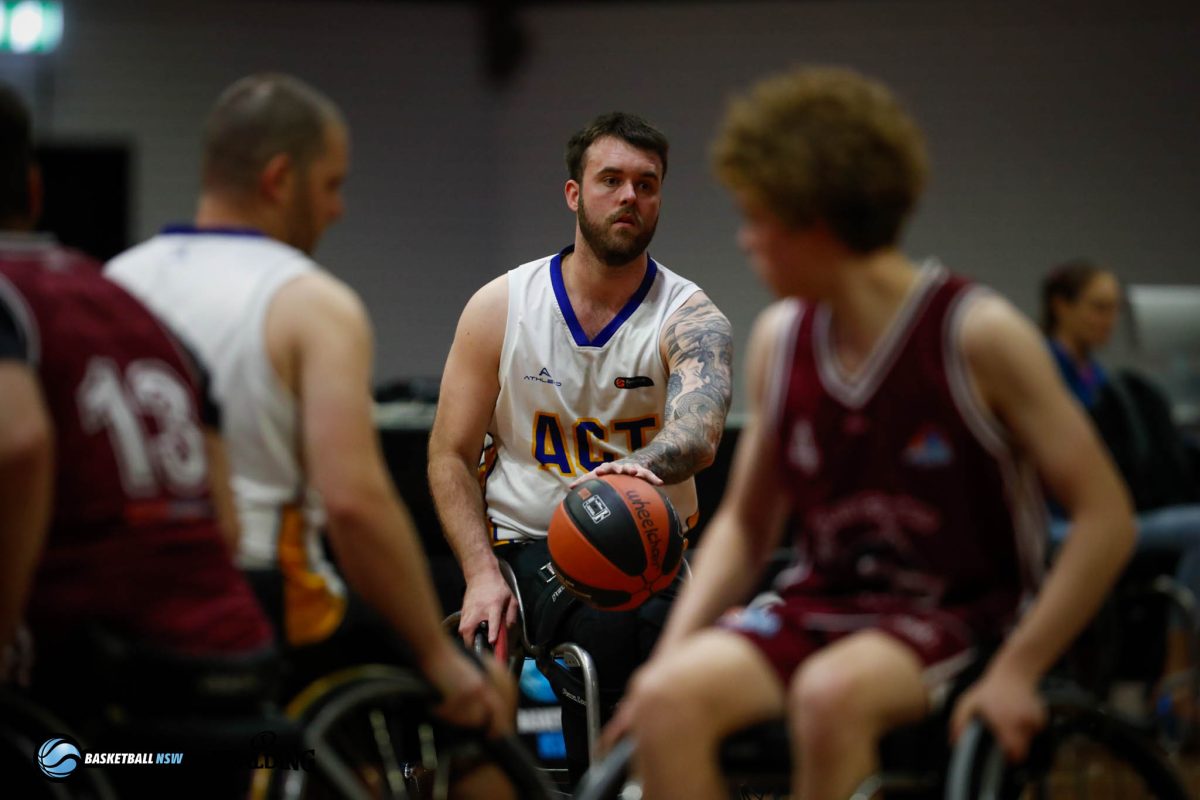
x=58, y=757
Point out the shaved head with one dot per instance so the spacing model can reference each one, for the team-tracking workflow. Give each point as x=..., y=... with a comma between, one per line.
x=258, y=118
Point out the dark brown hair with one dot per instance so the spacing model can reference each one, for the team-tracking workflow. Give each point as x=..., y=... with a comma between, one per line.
x=1065, y=282
x=620, y=125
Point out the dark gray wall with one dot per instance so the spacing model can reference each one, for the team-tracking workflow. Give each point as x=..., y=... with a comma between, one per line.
x=1056, y=129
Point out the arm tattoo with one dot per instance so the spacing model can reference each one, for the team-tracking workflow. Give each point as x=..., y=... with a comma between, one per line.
x=699, y=343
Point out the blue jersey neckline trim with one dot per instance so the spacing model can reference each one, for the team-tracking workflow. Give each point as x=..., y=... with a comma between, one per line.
x=564, y=302
x=192, y=230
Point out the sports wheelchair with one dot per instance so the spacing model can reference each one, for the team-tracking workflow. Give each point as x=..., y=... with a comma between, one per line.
x=567, y=654
x=372, y=734
x=363, y=733
x=1083, y=752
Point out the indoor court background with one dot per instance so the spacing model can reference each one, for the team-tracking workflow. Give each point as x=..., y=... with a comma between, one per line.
x=1057, y=129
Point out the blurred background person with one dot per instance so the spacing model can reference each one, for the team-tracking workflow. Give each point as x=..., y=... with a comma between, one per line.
x=1081, y=302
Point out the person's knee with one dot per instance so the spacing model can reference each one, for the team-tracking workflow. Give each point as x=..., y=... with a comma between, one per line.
x=819, y=698
x=825, y=701
x=662, y=705
x=856, y=690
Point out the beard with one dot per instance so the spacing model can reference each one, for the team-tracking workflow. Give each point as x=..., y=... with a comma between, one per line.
x=302, y=230
x=614, y=247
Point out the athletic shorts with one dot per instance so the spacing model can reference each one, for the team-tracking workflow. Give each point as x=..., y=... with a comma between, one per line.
x=788, y=631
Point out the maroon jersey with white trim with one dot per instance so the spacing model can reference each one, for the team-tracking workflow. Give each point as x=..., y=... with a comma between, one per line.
x=133, y=542
x=905, y=490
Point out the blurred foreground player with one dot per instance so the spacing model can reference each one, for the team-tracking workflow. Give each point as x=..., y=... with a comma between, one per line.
x=108, y=531
x=290, y=349
x=902, y=417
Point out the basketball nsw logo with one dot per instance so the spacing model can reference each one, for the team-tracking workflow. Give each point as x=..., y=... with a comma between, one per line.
x=58, y=757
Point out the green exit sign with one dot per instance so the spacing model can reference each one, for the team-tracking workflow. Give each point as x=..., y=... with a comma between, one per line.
x=30, y=26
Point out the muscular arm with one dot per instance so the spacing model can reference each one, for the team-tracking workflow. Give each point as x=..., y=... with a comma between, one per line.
x=470, y=386
x=26, y=488
x=327, y=355
x=220, y=489
x=749, y=521
x=1016, y=379
x=697, y=346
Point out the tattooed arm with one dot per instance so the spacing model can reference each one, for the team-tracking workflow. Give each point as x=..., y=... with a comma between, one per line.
x=697, y=345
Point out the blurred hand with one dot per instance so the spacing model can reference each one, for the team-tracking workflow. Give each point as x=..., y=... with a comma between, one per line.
x=473, y=695
x=1010, y=706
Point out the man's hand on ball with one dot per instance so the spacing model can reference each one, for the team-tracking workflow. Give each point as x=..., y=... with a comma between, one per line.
x=622, y=467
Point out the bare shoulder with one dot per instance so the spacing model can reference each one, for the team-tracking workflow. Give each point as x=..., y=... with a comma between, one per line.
x=316, y=299
x=772, y=320
x=697, y=312
x=1004, y=351
x=992, y=328
x=697, y=327
x=488, y=307
x=314, y=318
x=766, y=337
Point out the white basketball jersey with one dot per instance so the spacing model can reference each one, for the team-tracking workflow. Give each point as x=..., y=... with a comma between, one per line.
x=213, y=289
x=567, y=404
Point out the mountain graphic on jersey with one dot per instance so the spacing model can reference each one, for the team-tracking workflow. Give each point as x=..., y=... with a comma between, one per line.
x=802, y=448
x=928, y=448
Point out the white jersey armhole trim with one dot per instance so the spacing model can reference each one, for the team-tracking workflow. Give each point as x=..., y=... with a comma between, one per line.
x=779, y=366
x=11, y=296
x=1025, y=501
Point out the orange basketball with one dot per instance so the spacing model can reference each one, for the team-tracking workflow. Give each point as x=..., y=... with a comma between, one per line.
x=615, y=541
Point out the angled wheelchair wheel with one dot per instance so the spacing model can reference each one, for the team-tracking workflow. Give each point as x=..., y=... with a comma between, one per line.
x=1084, y=752
x=369, y=732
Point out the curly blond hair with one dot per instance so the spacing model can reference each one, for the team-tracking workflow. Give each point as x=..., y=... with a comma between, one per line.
x=825, y=144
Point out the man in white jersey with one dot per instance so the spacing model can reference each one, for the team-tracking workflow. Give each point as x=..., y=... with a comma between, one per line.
x=289, y=347
x=609, y=363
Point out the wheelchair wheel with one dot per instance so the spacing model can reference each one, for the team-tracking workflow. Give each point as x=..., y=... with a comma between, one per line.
x=372, y=734
x=1084, y=752
x=605, y=779
x=24, y=726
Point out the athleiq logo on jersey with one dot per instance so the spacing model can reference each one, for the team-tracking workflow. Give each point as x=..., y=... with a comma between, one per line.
x=544, y=376
x=58, y=757
x=636, y=382
x=928, y=449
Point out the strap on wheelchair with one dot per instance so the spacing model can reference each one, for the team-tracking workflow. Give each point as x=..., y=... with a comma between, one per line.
x=554, y=607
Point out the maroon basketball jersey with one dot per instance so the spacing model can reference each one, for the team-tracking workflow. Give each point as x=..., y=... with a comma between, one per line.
x=905, y=489
x=133, y=542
